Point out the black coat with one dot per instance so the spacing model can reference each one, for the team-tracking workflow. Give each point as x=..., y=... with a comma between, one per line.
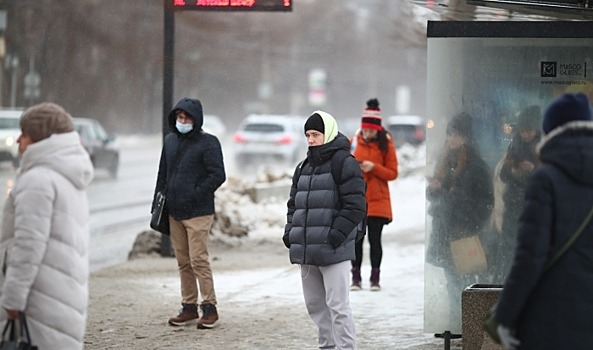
x=322, y=215
x=515, y=181
x=199, y=172
x=461, y=208
x=552, y=310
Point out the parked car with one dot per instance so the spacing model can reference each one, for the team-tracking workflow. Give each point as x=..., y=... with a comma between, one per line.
x=100, y=145
x=261, y=136
x=410, y=129
x=9, y=133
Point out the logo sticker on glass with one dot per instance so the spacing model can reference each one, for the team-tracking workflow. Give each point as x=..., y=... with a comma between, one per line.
x=548, y=70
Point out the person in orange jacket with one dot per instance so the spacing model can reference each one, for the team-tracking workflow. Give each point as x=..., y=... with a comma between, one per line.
x=374, y=149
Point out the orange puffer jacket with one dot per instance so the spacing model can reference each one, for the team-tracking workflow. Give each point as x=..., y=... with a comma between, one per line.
x=385, y=170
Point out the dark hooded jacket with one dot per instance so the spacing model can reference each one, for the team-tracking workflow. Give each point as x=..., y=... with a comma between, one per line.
x=199, y=171
x=322, y=215
x=552, y=309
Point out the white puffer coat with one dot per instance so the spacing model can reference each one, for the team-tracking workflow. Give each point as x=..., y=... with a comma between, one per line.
x=44, y=242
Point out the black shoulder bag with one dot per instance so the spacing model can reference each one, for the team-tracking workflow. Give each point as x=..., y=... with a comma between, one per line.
x=160, y=216
x=490, y=324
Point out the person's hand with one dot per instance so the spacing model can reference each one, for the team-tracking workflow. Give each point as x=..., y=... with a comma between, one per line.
x=526, y=166
x=335, y=238
x=12, y=314
x=366, y=166
x=509, y=342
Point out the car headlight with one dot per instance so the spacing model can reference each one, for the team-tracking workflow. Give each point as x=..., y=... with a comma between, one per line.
x=9, y=141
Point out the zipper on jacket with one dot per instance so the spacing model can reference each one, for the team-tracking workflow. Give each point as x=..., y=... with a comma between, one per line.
x=306, y=219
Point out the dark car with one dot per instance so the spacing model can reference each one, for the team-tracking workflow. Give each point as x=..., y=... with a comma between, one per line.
x=100, y=145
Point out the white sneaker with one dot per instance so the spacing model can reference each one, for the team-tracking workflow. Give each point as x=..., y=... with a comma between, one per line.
x=355, y=287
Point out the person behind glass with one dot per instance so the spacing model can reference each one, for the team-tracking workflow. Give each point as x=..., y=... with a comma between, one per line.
x=516, y=165
x=552, y=309
x=44, y=245
x=460, y=196
x=375, y=151
x=190, y=189
x=320, y=231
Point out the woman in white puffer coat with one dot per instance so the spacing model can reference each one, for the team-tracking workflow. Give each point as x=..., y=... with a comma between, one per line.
x=45, y=231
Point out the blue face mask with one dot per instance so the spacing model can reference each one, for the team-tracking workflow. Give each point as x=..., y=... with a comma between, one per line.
x=184, y=128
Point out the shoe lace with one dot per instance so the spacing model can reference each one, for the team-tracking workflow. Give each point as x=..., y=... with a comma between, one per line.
x=186, y=308
x=206, y=310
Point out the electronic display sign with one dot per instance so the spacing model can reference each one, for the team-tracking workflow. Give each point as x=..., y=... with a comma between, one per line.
x=233, y=5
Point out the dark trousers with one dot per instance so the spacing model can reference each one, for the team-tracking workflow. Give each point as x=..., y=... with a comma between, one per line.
x=374, y=230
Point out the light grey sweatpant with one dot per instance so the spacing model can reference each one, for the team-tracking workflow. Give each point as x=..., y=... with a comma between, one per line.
x=326, y=290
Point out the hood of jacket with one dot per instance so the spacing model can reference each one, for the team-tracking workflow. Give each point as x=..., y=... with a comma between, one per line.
x=62, y=153
x=192, y=107
x=570, y=148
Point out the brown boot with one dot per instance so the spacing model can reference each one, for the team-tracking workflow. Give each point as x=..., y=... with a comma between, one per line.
x=188, y=314
x=209, y=316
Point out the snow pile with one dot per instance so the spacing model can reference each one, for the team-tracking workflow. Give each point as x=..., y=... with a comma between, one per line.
x=237, y=215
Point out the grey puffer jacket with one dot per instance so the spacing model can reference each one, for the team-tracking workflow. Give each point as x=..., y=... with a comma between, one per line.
x=322, y=215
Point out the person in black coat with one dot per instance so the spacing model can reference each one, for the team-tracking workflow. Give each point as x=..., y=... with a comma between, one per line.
x=460, y=196
x=551, y=309
x=322, y=218
x=517, y=164
x=191, y=169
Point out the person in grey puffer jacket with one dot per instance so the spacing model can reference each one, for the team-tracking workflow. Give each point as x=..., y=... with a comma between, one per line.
x=551, y=309
x=321, y=229
x=190, y=183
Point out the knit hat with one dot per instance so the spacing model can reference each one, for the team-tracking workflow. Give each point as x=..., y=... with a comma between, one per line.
x=315, y=123
x=371, y=116
x=566, y=108
x=324, y=123
x=45, y=119
x=461, y=124
x=529, y=119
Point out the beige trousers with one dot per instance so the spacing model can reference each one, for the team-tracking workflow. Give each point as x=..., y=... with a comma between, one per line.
x=190, y=242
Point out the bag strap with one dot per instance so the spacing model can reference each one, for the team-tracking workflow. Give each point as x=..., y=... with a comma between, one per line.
x=8, y=328
x=24, y=327
x=569, y=243
x=338, y=163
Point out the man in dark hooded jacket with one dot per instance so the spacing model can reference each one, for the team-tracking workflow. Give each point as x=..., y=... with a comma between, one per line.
x=191, y=169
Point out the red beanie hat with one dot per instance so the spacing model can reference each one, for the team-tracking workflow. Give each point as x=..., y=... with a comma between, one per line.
x=371, y=116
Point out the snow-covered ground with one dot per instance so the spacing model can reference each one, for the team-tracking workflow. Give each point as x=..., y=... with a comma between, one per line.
x=395, y=313
x=398, y=309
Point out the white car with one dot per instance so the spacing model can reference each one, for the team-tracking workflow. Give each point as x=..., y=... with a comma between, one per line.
x=410, y=129
x=263, y=136
x=214, y=125
x=9, y=133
